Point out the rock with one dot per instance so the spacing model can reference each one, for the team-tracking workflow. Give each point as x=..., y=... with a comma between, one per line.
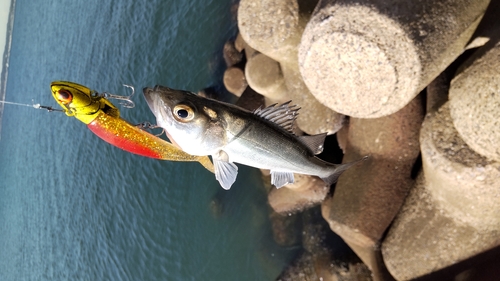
x=488, y=28
x=279, y=85
x=452, y=213
x=239, y=43
x=475, y=100
x=304, y=193
x=213, y=92
x=250, y=52
x=465, y=182
x=286, y=229
x=234, y=81
x=368, y=59
x=300, y=269
x=437, y=92
x=314, y=118
x=264, y=76
x=250, y=99
x=308, y=267
x=424, y=239
x=274, y=27
x=231, y=55
x=325, y=256
x=368, y=196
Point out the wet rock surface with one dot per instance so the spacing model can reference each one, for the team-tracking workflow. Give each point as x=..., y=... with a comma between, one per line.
x=369, y=72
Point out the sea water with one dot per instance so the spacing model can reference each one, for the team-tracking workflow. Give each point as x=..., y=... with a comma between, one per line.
x=73, y=207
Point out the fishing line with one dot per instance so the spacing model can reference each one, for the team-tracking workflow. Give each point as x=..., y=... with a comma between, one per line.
x=33, y=105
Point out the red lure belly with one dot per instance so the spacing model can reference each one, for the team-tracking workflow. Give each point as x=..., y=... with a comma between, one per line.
x=122, y=134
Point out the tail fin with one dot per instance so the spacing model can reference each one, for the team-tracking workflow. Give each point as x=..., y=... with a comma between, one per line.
x=205, y=161
x=339, y=169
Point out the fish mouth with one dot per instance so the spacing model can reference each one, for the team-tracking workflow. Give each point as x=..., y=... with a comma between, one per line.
x=157, y=105
x=149, y=94
x=160, y=96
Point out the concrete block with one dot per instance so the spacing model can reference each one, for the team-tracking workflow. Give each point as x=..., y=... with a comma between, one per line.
x=264, y=75
x=304, y=193
x=367, y=197
x=235, y=81
x=274, y=27
x=250, y=99
x=280, y=83
x=370, y=58
x=452, y=212
x=231, y=55
x=475, y=100
x=424, y=238
x=437, y=91
x=314, y=118
x=286, y=229
x=239, y=43
x=488, y=28
x=466, y=183
x=325, y=256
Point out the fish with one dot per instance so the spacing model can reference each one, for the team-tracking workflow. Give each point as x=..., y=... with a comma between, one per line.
x=103, y=118
x=262, y=138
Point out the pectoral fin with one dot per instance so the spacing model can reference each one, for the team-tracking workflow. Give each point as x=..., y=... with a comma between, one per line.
x=280, y=179
x=225, y=172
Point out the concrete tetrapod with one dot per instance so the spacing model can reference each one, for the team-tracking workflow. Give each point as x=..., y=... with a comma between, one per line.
x=280, y=83
x=368, y=197
x=452, y=213
x=274, y=28
x=475, y=100
x=370, y=58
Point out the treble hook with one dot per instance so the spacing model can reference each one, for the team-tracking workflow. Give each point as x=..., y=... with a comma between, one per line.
x=126, y=101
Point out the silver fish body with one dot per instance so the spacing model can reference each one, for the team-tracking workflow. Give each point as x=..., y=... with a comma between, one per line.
x=230, y=134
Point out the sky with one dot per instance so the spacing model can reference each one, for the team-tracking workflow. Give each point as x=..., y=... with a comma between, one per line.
x=4, y=17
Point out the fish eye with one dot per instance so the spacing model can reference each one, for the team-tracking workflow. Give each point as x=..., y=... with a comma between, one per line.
x=183, y=113
x=64, y=96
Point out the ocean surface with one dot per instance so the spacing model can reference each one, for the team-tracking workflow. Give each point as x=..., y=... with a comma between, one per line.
x=73, y=207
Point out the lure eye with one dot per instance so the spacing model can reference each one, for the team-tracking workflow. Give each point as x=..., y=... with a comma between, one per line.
x=64, y=96
x=183, y=113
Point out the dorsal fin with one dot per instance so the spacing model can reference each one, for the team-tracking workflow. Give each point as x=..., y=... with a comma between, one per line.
x=282, y=115
x=314, y=143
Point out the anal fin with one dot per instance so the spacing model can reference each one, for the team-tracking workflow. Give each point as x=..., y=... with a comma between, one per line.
x=280, y=179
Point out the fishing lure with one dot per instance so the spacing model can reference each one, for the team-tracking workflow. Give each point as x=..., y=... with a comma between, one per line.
x=103, y=119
